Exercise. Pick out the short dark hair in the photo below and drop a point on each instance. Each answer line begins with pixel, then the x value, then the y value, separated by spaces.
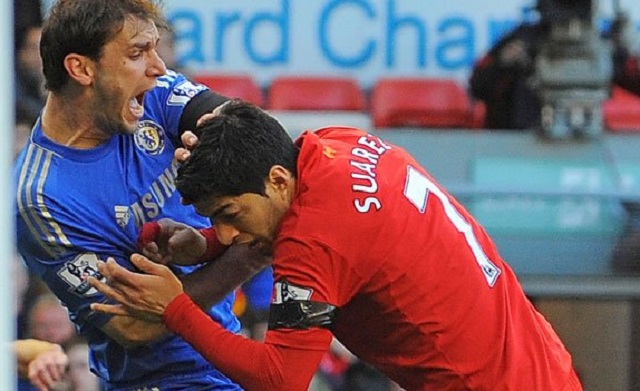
pixel 235 153
pixel 85 27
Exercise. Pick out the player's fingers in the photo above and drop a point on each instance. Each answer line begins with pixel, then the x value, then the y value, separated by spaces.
pixel 170 227
pixel 205 118
pixel 188 138
pixel 152 252
pixel 152 248
pixel 113 309
pixel 156 257
pixel 57 372
pixel 106 290
pixel 147 266
pixel 116 275
pixel 57 364
pixel 40 378
pixel 54 372
pixel 181 155
pixel 180 240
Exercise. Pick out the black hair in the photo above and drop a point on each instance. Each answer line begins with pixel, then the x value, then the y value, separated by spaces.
pixel 85 27
pixel 235 153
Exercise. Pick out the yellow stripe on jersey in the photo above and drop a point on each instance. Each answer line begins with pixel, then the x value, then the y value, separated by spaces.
pixel 35 213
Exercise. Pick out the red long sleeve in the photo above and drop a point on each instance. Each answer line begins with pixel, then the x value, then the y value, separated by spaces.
pixel 214 247
pixel 151 231
pixel 254 365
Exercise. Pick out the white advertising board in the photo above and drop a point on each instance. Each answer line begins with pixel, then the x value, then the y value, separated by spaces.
pixel 365 39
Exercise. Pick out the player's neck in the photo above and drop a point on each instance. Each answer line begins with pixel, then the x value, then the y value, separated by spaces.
pixel 69 122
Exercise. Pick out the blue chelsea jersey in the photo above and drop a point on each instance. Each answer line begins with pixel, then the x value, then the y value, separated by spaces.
pixel 75 207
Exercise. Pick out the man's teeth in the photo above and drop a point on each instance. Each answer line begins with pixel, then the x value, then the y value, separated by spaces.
pixel 136 108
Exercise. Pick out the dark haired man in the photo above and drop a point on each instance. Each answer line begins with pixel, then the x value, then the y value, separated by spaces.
pixel 98 166
pixel 504 78
pixel 367 247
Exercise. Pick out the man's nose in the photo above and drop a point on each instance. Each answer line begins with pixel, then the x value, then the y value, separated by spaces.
pixel 156 67
pixel 226 233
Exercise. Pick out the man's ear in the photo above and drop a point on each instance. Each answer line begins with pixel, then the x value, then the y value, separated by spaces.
pixel 280 184
pixel 80 68
pixel 279 177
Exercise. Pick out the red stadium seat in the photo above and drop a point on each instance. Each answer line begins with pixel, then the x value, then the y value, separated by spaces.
pixel 621 112
pixel 420 102
pixel 309 93
pixel 233 86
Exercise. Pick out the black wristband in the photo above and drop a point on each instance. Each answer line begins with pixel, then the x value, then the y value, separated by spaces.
pixel 201 104
pixel 301 314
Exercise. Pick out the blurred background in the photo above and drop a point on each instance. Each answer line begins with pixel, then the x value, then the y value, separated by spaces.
pixel 528 111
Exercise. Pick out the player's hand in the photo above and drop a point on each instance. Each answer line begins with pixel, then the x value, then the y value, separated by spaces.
pixel 190 140
pixel 168 242
pixel 48 369
pixel 143 295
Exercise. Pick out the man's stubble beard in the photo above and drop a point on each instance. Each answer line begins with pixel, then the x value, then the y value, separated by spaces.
pixel 108 117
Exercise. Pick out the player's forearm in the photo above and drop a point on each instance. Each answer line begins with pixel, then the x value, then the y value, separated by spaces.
pixel 26 350
pixel 254 365
pixel 212 282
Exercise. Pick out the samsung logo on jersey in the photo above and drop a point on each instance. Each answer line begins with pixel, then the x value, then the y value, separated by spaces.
pixel 149 206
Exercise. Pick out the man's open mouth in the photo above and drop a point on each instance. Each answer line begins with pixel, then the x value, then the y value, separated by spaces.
pixel 135 105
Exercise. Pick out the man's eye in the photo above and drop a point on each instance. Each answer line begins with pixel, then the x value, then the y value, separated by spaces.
pixel 226 218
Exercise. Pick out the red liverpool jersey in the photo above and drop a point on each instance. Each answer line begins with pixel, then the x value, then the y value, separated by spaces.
pixel 421 291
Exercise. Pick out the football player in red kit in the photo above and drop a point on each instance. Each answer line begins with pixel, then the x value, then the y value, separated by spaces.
pixel 367 247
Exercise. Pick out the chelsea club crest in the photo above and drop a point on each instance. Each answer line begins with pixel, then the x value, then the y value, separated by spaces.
pixel 150 137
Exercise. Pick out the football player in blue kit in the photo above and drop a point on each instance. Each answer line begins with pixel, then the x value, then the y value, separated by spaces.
pixel 98 166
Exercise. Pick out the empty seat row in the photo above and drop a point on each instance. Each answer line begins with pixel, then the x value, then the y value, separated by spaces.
pixel 291 93
pixel 393 101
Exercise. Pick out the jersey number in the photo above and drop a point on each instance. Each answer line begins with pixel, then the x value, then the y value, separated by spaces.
pixel 417 189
